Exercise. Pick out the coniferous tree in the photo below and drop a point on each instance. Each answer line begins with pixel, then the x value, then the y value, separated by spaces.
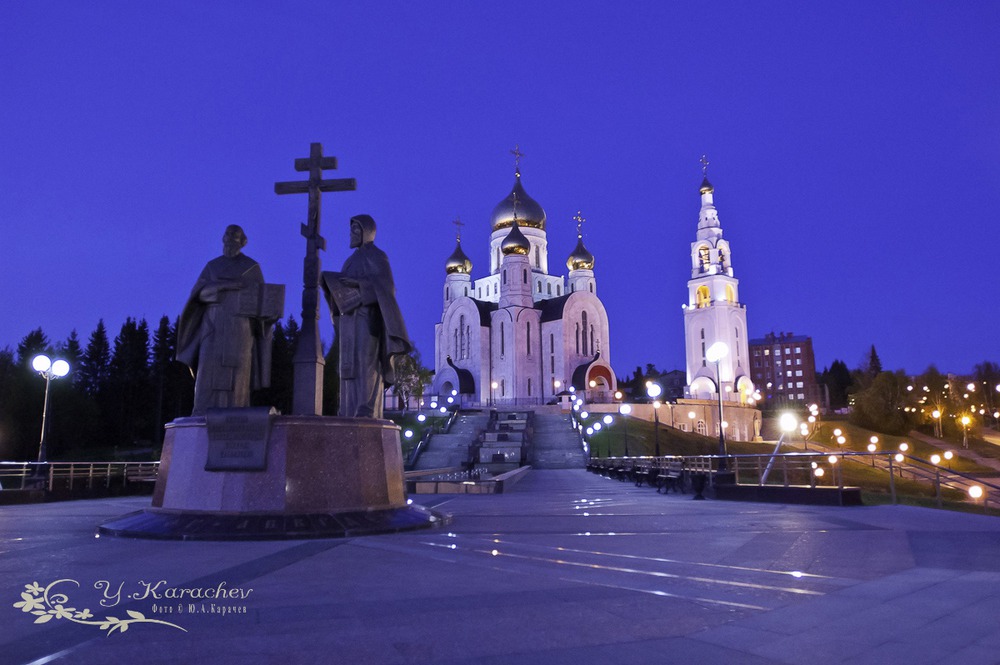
pixel 95 365
pixel 31 345
pixel 837 379
pixel 130 381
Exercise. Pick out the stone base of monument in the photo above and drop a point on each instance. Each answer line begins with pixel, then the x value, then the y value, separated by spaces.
pixel 313 477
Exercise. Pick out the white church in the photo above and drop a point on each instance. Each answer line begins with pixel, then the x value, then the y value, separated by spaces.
pixel 520 335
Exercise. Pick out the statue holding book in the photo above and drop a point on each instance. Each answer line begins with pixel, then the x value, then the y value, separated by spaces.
pixel 369 326
pixel 224 334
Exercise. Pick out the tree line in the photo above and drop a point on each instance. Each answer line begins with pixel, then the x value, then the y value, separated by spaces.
pixel 121 391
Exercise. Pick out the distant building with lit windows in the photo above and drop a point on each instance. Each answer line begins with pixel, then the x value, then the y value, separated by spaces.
pixel 783 368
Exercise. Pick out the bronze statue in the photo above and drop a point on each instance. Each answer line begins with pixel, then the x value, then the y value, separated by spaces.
pixel 224 334
pixel 369 326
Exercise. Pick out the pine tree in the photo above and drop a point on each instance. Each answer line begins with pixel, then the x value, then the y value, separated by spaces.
pixel 31 345
pixel 95 365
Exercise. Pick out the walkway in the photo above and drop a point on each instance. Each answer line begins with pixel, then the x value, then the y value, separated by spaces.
pixel 567 568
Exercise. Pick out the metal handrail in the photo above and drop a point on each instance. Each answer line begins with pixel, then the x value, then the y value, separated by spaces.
pixel 45 475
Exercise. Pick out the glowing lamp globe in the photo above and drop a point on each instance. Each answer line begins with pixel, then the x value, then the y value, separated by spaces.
pixel 41 363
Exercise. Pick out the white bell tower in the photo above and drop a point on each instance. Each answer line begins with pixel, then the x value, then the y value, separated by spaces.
pixel 714 313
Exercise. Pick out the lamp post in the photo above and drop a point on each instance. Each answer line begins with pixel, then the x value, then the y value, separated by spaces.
pixel 654 391
pixel 48 370
pixel 936 415
pixel 493 392
pixel 965 431
pixel 715 354
pixel 625 409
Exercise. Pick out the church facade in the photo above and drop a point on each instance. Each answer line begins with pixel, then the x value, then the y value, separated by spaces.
pixel 520 335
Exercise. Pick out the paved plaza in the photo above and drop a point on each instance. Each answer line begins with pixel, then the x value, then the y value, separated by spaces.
pixel 566 567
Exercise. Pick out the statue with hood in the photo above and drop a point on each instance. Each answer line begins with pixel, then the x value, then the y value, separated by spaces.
pixel 368 323
pixel 223 335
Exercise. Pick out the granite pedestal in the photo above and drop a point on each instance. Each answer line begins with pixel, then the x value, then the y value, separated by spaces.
pixel 324 477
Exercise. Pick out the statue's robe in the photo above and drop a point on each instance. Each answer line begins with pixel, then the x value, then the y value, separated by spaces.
pixel 228 351
pixel 369 336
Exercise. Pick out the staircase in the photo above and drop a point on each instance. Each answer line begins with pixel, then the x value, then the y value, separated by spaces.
pixel 452 449
pixel 556 445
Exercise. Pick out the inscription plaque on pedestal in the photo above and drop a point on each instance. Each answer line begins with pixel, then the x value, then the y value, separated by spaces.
pixel 237 439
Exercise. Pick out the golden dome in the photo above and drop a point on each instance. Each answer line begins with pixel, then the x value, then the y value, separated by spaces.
pixel 458 261
pixel 706 186
pixel 515 242
pixel 580 259
pixel 529 212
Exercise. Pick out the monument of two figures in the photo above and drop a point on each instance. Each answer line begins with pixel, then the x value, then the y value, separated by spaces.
pixel 235 472
pixel 225 332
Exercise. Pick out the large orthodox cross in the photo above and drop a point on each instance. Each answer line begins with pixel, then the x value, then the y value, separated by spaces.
pixel 704 166
pixel 458 228
pixel 307 392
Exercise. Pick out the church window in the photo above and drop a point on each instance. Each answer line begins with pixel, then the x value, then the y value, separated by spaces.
pixel 704 359
pixel 503 387
pixel 591 287
pixel 552 362
pixel 730 293
pixel 703 298
pixel 527 338
pixel 466 290
pixel 498 257
pixel 539 287
pixel 578 339
pixel 524 276
pixel 501 340
pixel 549 289
pixel 504 276
pixel 538 260
pixel 454 348
pixel 495 288
pixel 703 258
pixel 558 290
pixel 703 333
pixel 529 387
pixel 593 348
pixel 583 317
pixel 479 292
pixel 462 351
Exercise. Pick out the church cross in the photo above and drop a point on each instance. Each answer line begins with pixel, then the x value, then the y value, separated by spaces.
pixel 579 219
pixel 704 165
pixel 307 387
pixel 458 228
pixel 517 158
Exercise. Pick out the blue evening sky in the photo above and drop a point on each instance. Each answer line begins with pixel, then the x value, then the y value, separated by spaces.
pixel 854 148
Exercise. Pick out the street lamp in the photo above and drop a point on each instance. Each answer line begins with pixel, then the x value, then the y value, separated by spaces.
pixel 48 370
pixel 965 431
pixel 654 390
pixel 936 415
pixel 493 392
pixel 715 354
pixel 625 409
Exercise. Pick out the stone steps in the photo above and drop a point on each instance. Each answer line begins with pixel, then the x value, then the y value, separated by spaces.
pixel 555 444
pixel 452 449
